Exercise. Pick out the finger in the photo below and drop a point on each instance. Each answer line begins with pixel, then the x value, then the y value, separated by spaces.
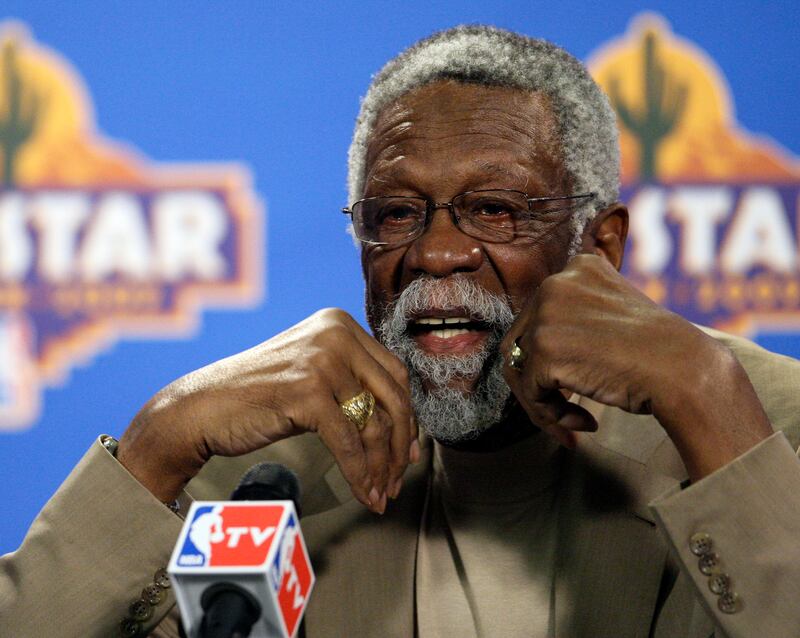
pixel 549 409
pixel 398 371
pixel 395 400
pixel 577 419
pixel 343 440
pixel 383 466
pixel 552 408
pixel 400 433
pixel 375 437
pixel 395 417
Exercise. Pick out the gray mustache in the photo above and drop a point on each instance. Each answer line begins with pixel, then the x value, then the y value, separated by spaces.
pixel 454 293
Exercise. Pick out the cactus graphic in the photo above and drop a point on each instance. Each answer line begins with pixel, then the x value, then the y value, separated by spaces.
pixel 664 102
pixel 20 113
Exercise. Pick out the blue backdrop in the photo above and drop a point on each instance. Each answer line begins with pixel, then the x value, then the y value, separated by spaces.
pixel 276 86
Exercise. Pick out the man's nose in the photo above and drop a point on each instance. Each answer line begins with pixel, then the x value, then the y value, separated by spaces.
pixel 443 249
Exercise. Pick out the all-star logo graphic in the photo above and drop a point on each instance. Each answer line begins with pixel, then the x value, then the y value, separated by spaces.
pixel 97 242
pixel 713 207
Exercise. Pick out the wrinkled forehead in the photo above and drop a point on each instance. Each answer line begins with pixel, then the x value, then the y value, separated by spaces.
pixel 455 118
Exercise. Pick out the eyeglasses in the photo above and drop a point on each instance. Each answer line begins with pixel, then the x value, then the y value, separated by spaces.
pixel 497 215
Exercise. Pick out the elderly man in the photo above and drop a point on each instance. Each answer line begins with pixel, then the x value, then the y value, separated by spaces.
pixel 483 181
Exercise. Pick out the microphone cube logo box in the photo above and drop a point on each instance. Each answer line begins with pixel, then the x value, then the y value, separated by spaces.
pixel 254 544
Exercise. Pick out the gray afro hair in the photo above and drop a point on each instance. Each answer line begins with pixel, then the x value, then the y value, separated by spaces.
pixel 495 57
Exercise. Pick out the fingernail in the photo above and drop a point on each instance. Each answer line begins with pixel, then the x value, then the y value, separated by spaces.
pixel 413 451
pixel 397 485
pixel 390 488
pixel 383 502
pixel 374 497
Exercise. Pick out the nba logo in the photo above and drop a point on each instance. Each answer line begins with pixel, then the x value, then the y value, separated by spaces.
pixel 230 535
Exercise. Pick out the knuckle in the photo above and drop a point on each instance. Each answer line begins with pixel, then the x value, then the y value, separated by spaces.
pixel 314 384
pixel 321 358
pixel 376 428
pixel 545 336
pixel 583 259
pixel 385 425
pixel 375 433
pixel 585 265
pixel 548 287
pixel 332 314
pixel 381 470
pixel 537 340
pixel 401 374
pixel 370 435
pixel 358 474
pixel 333 322
pixel 397 397
pixel 402 397
pixel 350 447
pixel 548 310
pixel 331 337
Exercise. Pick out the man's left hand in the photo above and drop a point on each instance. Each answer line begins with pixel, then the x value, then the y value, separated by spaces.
pixel 587 330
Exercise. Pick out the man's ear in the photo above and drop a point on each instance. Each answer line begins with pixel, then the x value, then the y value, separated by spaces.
pixel 605 235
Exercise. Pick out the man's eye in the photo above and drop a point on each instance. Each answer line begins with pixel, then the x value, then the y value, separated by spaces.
pixel 493 209
pixel 397 214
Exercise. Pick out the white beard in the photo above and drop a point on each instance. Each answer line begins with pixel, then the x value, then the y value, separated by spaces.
pixel 447 414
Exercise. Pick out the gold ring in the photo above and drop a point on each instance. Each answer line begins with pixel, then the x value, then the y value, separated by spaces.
pixel 359 409
pixel 516 358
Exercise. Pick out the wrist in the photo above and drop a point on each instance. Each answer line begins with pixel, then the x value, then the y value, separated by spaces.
pixel 156 453
pixel 710 410
pixel 159 478
pixel 111 444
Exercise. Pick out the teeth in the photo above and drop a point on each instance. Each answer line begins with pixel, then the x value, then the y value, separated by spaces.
pixel 436 321
pixel 446 333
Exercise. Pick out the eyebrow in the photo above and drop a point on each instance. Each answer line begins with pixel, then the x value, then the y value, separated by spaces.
pixel 493 169
pixel 474 173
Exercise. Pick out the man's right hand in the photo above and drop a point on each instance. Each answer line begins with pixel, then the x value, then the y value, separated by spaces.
pixel 288 385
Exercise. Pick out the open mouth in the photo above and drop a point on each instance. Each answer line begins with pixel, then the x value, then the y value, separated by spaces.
pixel 439 334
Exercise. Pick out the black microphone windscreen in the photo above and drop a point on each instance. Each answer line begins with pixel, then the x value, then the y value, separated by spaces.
pixel 268 482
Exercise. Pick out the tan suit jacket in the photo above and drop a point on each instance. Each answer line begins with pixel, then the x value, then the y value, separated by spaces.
pixel 624 569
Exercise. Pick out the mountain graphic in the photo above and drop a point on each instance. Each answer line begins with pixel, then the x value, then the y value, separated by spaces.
pixel 676 115
pixel 48 136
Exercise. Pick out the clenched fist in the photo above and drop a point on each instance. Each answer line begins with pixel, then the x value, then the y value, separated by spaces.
pixel 589 331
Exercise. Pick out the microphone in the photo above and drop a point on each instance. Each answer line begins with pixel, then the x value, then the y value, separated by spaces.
pixel 269 482
pixel 240 567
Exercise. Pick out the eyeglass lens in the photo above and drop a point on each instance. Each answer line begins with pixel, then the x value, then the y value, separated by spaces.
pixel 492 215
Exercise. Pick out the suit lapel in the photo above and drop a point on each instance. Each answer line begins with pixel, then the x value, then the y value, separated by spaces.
pixel 365 564
pixel 611 556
